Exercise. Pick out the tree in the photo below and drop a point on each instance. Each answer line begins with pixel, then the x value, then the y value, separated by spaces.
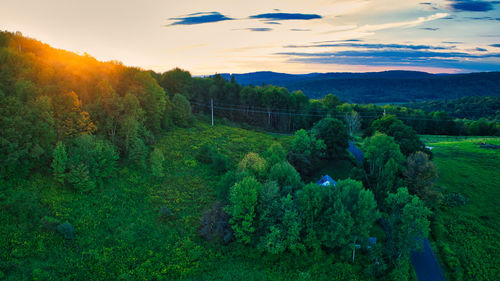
pixel 311 201
pixel 421 174
pixel 383 162
pixel 214 224
pixel 253 164
pixel 181 111
pixel 334 133
pixel 243 200
pixel 353 122
pixel 405 136
pixel 305 152
pixel 59 162
pixel 408 223
pixel 361 206
pixel 156 160
pixel 286 176
pixel 275 154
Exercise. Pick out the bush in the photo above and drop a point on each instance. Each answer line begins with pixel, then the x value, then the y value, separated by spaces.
pixel 67 230
pixel 214 225
pixel 204 154
pixel 455 199
pixel 165 213
pixel 220 163
pixel 50 223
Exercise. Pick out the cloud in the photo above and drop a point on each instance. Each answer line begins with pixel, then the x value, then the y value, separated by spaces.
pixel 483 18
pixel 256 29
pixel 471 5
pixel 286 16
pixel 495 45
pixel 420 20
pixel 272 22
pixel 199 18
pixel 430 28
pixel 299 29
pixel 426 3
pixel 374 46
pixel 399 58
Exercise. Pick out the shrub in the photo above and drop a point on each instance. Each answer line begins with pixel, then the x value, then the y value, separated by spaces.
pixel 50 223
pixel 204 154
pixel 67 230
pixel 220 163
pixel 165 213
pixel 214 225
pixel 455 199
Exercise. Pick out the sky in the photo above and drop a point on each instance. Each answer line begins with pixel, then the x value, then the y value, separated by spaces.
pixel 222 36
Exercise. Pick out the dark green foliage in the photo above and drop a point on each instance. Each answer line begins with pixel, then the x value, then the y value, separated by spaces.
pixel 285 175
pixel 78 176
pixel 220 163
pixel 204 154
pixel 165 213
pixel 156 160
pixel 214 225
pixel 405 136
pixel 181 113
pixel 421 175
pixel 408 223
pixel 66 230
pixel 306 152
pixel 59 162
pixel 383 164
pixel 473 107
pixel 455 199
pixel 50 223
pixel 334 134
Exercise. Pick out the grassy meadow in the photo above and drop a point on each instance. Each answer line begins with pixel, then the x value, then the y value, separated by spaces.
pixel 467 236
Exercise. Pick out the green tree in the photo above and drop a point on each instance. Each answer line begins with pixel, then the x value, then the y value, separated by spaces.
pixel 409 225
pixel 405 136
pixel 275 154
pixel 59 162
pixel 334 133
pixel 156 160
pixel 421 174
pixel 78 176
pixel 182 110
pixel 254 164
pixel 360 204
pixel 311 202
pixel 305 152
pixel 243 200
pixel 286 176
pixel 384 163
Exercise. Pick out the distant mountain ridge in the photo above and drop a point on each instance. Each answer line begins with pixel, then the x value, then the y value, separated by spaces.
pixel 379 87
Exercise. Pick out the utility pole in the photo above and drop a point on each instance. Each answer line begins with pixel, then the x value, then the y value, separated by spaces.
pixel 212 106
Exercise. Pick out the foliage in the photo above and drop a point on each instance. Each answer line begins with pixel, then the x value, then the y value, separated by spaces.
pixel 182 110
pixel 254 164
pixel 156 160
pixel 420 175
pixel 66 230
pixel 305 152
pixel 334 133
pixel 243 200
pixel 408 223
pixel 404 135
pixel 454 199
pixel 383 164
pixel 285 175
pixel 59 162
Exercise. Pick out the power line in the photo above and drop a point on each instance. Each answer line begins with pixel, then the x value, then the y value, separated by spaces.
pixel 276 112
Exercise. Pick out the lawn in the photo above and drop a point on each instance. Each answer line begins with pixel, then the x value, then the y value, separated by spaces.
pixel 468 236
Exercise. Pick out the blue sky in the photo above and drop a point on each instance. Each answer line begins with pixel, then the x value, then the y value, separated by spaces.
pixel 290 36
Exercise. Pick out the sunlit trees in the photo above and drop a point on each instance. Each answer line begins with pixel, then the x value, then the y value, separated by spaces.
pixel 253 164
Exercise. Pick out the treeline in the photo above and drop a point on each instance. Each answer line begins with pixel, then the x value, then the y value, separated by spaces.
pixel 277 109
pixel 467 107
pixel 92 109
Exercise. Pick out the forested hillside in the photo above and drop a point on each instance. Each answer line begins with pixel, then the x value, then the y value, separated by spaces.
pixel 381 87
pixel 466 107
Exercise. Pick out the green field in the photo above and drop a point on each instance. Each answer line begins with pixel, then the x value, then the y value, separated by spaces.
pixel 468 236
